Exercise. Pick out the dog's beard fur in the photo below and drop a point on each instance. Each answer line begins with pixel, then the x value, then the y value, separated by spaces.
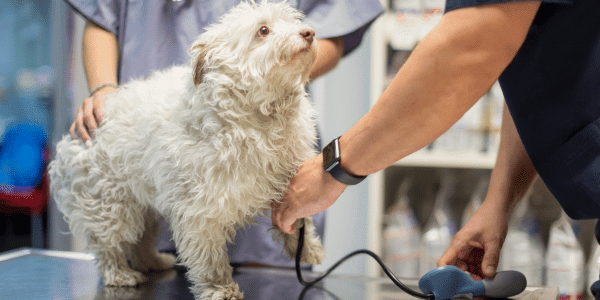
pixel 206 147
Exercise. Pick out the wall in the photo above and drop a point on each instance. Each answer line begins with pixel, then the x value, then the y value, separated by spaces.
pixel 342 98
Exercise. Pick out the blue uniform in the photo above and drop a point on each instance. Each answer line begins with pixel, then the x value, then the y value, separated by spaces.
pixel 156 34
pixel 552 90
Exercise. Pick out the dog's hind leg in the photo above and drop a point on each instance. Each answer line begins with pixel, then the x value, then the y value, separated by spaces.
pixel 202 249
pixel 111 225
pixel 112 263
pixel 143 254
pixel 312 252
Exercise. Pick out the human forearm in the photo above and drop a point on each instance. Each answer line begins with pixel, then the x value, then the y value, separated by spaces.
pixel 100 60
pixel 100 55
pixel 476 247
pixel 446 74
pixel 514 173
pixel 329 53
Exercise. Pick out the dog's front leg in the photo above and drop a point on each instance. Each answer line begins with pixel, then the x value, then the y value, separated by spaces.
pixel 312 252
pixel 201 244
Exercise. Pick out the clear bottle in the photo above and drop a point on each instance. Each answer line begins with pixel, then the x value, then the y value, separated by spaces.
pixel 593 267
pixel 565 260
pixel 523 248
pixel 401 236
pixel 440 228
pixel 496 107
pixel 476 200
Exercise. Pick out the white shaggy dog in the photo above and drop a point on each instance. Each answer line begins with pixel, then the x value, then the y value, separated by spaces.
pixel 206 146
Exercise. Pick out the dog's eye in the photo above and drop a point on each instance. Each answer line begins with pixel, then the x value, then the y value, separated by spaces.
pixel 263 31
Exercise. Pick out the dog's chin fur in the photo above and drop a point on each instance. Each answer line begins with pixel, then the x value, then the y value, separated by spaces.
pixel 206 147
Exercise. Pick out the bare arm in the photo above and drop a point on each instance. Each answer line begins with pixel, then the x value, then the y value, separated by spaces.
pixel 329 53
pixel 100 60
pixel 452 67
pixel 476 247
pixel 514 173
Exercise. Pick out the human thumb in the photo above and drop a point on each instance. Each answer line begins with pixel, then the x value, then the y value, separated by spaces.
pixel 490 260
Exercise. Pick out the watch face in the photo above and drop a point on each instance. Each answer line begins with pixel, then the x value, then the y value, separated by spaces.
pixel 331 155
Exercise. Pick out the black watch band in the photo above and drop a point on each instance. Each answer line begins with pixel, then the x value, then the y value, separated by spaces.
pixel 332 164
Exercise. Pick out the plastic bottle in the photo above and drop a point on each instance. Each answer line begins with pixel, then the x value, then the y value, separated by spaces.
pixel 401 236
pixel 593 267
pixel 523 248
pixel 404 35
pixel 467 134
pixel 476 200
pixel 565 260
pixel 496 107
pixel 413 7
pixel 440 228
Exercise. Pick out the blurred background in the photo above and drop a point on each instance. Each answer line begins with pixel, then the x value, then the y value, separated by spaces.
pixel 28 91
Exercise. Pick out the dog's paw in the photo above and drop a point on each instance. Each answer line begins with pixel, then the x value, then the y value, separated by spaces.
pixel 123 277
pixel 222 292
pixel 227 295
pixel 155 262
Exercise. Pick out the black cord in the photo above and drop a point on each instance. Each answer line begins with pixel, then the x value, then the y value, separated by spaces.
pixel 387 271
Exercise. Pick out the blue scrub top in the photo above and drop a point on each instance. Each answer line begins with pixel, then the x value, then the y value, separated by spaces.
pixel 156 34
pixel 552 90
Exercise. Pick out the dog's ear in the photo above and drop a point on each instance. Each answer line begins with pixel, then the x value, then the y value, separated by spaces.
pixel 199 53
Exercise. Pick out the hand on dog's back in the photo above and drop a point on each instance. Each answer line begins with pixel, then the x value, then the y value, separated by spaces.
pixel 90 116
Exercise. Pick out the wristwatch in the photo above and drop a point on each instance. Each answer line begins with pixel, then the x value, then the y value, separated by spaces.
pixel 332 164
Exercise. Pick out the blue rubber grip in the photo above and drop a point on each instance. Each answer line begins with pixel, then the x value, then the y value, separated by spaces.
pixel 449 281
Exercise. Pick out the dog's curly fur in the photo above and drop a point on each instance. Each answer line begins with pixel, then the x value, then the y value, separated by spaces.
pixel 206 146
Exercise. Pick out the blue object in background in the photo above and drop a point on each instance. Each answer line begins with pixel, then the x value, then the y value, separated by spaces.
pixel 21 158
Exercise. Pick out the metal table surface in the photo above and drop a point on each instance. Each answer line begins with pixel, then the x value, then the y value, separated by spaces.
pixel 44 274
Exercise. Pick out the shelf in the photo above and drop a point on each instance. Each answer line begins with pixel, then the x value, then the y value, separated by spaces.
pixel 404 32
pixel 442 159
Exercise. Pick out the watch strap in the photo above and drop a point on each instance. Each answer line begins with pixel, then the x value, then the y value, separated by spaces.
pixel 340 175
pixel 332 164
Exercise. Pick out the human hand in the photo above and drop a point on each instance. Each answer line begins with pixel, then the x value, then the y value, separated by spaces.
pixel 90 115
pixel 311 190
pixel 476 247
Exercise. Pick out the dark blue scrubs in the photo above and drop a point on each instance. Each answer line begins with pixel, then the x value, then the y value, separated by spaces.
pixel 552 90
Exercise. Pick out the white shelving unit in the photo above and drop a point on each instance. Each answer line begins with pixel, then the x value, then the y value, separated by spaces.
pixel 389 33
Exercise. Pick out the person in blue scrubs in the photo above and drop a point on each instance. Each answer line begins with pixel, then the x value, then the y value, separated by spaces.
pixel 546 55
pixel 124 40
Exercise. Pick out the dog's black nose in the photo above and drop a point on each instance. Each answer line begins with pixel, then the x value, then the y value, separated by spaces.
pixel 308 34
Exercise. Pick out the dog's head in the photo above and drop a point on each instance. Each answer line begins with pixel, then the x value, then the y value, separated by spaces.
pixel 256 43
